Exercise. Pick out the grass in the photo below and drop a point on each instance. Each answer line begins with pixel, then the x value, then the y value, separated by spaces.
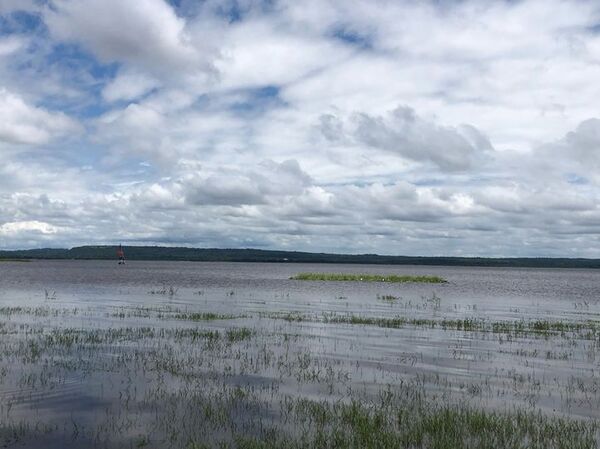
pixel 207 384
pixel 367 278
pixel 201 410
pixel 204 316
pixel 235 335
pixel 164 290
pixel 587 330
pixel 286 316
pixel 415 425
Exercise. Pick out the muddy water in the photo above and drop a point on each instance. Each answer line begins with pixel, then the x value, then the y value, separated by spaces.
pixel 92 353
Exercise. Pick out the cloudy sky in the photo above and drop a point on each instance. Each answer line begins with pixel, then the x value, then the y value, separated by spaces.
pixel 441 128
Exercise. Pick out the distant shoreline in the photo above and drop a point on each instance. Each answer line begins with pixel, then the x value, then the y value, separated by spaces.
pixel 159 253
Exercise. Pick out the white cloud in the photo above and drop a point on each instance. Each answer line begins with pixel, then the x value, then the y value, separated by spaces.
pixel 404 133
pixel 19 227
pixel 22 123
pixel 129 86
pixel 235 187
pixel 11 44
pixel 258 53
pixel 583 144
pixel 481 62
pixel 145 33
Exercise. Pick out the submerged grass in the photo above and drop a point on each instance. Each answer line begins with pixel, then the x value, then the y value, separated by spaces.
pixel 205 316
pixel 243 333
pixel 588 330
pixel 207 385
pixel 367 277
pixel 201 386
pixel 408 425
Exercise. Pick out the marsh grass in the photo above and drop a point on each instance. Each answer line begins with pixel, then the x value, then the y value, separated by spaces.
pixel 416 425
pixel 588 330
pixel 287 316
pixel 164 290
pixel 37 311
pixel 289 383
pixel 205 412
pixel 205 316
pixel 49 295
pixel 235 335
pixel 367 278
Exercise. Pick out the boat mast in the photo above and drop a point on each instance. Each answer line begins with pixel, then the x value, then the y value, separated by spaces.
pixel 121 255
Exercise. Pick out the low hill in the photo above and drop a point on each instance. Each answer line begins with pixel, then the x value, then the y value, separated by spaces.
pixel 258 255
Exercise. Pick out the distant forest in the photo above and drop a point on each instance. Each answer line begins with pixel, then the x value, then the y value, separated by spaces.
pixel 258 255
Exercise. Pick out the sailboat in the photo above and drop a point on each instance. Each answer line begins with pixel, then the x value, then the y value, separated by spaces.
pixel 121 255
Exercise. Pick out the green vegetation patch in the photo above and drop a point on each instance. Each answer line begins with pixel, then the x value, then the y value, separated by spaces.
pixel 359 425
pixel 588 330
pixel 234 335
pixel 367 278
pixel 205 316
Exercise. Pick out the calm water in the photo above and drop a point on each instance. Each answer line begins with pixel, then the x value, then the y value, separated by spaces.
pixel 494 291
pixel 132 375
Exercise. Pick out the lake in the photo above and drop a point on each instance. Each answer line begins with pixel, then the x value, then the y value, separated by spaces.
pixel 192 354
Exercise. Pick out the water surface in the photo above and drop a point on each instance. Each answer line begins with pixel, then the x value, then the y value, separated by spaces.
pixel 96 353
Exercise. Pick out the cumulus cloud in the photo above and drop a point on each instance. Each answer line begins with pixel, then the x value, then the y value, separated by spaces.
pixel 404 133
pixel 573 159
pixel 145 33
pixel 260 185
pixel 583 144
pixel 18 227
pixel 22 123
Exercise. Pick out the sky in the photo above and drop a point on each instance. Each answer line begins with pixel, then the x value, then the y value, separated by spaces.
pixel 459 128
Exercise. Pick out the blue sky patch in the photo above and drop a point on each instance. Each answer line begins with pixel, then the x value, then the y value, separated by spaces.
pixel 353 37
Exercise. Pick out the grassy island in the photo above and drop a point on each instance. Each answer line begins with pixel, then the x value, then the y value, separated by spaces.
pixel 367 277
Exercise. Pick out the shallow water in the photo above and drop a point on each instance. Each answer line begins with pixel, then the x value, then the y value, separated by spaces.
pixel 92 353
